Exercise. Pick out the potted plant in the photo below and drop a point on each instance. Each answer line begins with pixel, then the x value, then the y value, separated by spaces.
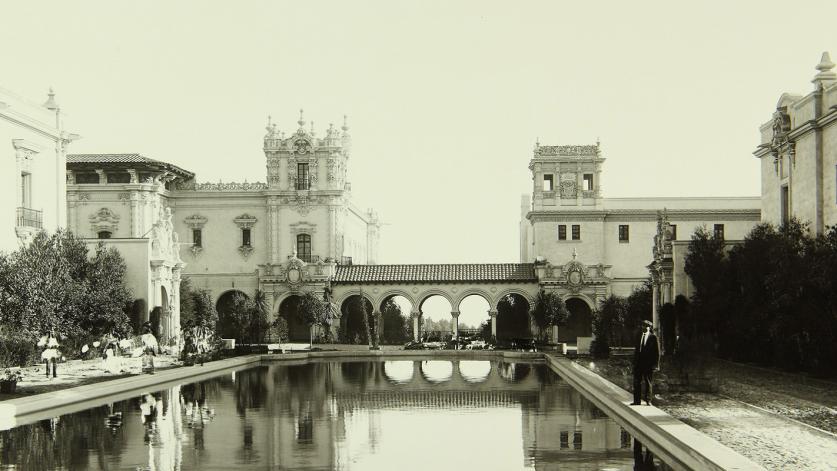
pixel 8 382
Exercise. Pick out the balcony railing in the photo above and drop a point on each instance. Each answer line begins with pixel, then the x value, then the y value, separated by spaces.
pixel 30 218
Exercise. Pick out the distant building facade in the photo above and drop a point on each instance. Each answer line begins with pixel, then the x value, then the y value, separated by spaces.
pixel 798 153
pixel 33 145
pixel 283 237
pixel 587 247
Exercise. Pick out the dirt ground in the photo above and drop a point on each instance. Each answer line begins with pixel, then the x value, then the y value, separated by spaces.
pixel 756 412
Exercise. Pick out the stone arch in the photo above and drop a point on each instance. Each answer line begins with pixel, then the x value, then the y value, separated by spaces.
pixel 580 321
pixel 395 330
pixel 223 305
pixel 520 292
pixel 392 293
pixel 424 295
pixel 354 292
pixel 352 326
pixel 514 323
pixel 298 331
pixel 473 291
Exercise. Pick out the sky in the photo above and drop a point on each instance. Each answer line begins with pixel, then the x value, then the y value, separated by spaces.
pixel 445 100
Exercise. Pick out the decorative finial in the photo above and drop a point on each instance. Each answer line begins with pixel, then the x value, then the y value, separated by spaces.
pixel 575 254
pixel 301 121
pixel 50 103
pixel 345 127
pixel 598 141
pixel 269 126
pixel 825 74
pixel 312 128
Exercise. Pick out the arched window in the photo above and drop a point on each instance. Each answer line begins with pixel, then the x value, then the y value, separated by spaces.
pixel 104 235
pixel 303 247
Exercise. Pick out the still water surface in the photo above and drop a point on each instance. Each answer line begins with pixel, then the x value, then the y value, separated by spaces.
pixel 404 415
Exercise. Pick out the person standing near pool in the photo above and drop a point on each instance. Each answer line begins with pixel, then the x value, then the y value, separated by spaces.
pixel 646 361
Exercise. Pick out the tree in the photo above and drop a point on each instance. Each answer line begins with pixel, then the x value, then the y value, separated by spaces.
pixel 549 311
pixel 395 324
pixel 312 309
pixel 52 286
pixel 608 324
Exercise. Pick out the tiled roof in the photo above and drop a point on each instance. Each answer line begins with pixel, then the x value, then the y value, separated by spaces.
pixel 109 158
pixel 448 273
pixel 125 159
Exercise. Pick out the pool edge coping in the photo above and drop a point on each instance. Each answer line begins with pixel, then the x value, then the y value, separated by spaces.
pixel 678 444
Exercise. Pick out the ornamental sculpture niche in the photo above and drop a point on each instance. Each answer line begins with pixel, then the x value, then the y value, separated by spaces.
pixel 104 220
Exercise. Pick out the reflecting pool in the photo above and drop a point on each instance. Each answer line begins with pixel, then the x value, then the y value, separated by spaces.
pixel 402 414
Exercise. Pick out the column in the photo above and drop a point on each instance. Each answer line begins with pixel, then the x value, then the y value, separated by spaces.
pixel 455 324
pixel 273 229
pixel 493 315
pixel 655 299
pixel 135 216
pixel 416 327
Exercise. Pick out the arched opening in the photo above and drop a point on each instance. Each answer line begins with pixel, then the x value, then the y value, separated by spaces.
pixel 226 305
pixel 104 234
pixel 513 318
pixel 396 328
pixel 436 371
pixel 474 371
pixel 436 322
pixel 399 372
pixel 298 330
pixel 473 317
pixel 579 322
pixel 352 324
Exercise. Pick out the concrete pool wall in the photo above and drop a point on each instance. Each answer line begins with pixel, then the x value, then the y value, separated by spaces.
pixel 680 446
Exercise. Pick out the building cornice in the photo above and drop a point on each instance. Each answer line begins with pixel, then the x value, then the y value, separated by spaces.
pixel 645 215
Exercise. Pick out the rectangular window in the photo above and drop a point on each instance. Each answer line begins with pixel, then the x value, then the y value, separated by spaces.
pixel 564 440
pixel 719 231
pixel 547 183
pixel 562 232
pixel 197 238
pixel 624 233
pixel 673 228
pixel 302 180
pixel 26 190
pixel 245 237
pixel 588 182
pixel 576 232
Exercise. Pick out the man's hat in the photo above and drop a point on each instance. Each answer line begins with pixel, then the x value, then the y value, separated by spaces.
pixel 647 322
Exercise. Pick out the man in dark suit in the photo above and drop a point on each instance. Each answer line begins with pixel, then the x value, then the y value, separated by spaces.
pixel 646 360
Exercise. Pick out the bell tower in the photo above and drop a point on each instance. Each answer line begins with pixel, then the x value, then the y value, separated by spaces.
pixel 307 190
pixel 566 177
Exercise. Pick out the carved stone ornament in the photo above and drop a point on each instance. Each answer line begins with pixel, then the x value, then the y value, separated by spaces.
pixel 104 220
pixel 245 221
pixel 781 127
pixel 302 146
pixel 245 250
pixel 221 186
pixel 295 272
pixel 575 274
pixel 568 189
pixel 195 221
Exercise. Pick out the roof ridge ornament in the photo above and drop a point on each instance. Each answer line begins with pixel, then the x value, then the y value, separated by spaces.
pixel 825 74
pixel 301 121
pixel 50 103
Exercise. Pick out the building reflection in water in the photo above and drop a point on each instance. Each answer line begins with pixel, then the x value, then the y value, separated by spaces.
pixel 341 415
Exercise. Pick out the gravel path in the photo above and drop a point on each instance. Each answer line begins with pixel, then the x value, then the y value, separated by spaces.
pixel 765 436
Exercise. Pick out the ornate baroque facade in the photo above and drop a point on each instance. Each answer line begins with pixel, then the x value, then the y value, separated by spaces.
pixel 283 237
